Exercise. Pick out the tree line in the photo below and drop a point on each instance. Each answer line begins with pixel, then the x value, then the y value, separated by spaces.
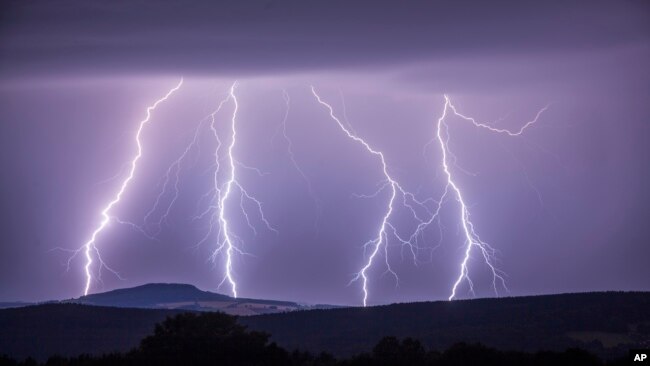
pixel 218 339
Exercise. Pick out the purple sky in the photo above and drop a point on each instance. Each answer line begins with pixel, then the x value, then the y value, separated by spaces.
pixel 565 204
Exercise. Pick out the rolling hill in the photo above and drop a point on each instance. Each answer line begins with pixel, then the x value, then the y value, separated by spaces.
pixel 183 297
pixel 605 323
pixel 44 330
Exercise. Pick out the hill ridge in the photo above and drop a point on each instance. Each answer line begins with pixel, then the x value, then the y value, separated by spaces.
pixel 184 297
pixel 604 323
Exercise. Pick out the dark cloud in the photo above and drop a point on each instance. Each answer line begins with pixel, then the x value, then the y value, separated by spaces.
pixel 226 37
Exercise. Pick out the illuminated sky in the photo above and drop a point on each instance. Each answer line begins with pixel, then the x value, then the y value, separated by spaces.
pixel 565 204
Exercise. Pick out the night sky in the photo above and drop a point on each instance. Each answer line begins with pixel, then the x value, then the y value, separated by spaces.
pixel 566 204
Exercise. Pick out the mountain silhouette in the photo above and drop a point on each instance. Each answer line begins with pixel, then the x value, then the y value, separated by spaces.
pixel 183 297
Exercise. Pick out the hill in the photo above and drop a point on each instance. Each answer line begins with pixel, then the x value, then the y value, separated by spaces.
pixel 607 324
pixel 13 304
pixel 183 297
pixel 44 330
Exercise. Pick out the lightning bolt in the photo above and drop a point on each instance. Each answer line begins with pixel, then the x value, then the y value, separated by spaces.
pixel 380 242
pixel 292 157
pixel 90 246
pixel 228 242
pixel 172 173
pixel 471 238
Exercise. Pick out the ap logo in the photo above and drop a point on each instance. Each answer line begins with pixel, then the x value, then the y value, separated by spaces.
pixel 639 356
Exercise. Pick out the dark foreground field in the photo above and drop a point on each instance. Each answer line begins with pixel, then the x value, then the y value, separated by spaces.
pixel 202 339
pixel 604 324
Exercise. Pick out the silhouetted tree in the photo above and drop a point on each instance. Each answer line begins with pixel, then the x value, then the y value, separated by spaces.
pixel 217 339
pixel 7 361
pixel 390 352
pixel 208 339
